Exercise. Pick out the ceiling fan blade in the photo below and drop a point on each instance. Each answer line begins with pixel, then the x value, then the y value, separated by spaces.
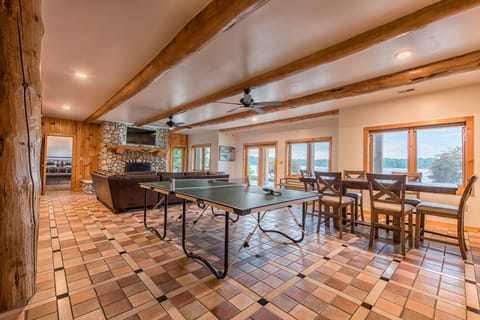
pixel 226 102
pixel 267 103
pixel 235 108
pixel 177 124
pixel 256 109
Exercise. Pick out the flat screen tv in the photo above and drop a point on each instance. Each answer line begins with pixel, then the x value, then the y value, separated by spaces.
pixel 140 136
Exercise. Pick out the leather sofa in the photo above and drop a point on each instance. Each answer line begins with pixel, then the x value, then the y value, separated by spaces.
pixel 122 192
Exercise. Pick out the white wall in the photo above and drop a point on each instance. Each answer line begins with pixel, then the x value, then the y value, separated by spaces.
pixel 308 129
pixel 440 105
pixel 60 147
pixel 228 140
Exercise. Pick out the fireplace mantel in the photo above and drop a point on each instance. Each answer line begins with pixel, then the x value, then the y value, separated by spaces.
pixel 120 149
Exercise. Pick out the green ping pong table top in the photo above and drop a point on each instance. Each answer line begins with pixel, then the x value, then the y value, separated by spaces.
pixel 236 198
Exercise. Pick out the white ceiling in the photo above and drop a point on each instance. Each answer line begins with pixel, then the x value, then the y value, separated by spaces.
pixel 112 40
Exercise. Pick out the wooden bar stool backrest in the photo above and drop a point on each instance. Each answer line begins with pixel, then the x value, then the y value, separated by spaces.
pixel 412 177
pixel 306 173
pixel 387 188
pixel 329 183
pixel 354 174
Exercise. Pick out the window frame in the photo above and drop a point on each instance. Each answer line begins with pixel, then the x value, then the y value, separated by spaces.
pixel 308 141
pixel 203 162
pixel 411 127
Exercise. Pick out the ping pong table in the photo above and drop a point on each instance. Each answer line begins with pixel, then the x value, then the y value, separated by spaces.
pixel 231 197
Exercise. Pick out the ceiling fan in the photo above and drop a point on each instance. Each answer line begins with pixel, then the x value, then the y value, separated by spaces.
pixel 247 102
pixel 179 125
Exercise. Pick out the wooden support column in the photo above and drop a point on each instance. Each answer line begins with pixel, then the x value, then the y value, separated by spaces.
pixel 20 106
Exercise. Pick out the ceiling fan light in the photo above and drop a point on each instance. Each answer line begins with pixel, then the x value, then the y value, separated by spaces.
pixel 403 54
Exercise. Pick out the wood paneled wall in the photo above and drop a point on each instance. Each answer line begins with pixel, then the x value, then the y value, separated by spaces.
pixel 85 145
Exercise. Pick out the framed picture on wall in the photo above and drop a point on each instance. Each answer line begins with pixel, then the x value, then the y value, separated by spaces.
pixel 227 153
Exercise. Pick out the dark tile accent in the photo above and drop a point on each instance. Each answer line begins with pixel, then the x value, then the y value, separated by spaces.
pixel 55 251
pixel 262 301
pixel 138 270
pixel 470 281
pixel 63 295
pixel 470 263
pixel 326 258
pixel 111 239
pixel 367 305
pixel 301 275
pixel 123 252
pixel 397 260
pixel 472 309
pixel 162 298
pixel 384 278
pixel 54 237
pixel 258 256
pixel 58 269
pixel 345 245
pixel 102 228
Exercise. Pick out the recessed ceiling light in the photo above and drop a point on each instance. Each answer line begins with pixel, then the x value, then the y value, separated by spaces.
pixel 81 75
pixel 66 107
pixel 254 119
pixel 403 54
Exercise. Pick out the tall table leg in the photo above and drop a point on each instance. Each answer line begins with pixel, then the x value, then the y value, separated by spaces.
pixel 218 273
pixel 152 229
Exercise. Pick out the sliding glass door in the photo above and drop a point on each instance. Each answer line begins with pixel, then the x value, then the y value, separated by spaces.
pixel 260 164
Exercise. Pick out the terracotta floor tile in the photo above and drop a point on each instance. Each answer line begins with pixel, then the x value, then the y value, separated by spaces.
pixel 224 311
pixel 428 283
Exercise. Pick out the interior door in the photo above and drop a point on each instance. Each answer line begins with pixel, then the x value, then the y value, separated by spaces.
pixel 260 164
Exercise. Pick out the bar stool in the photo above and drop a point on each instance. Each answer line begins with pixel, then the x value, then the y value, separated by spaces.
pixel 356 194
pixel 387 197
pixel 445 211
pixel 309 186
pixel 329 185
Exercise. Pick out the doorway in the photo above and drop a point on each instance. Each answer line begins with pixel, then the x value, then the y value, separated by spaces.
pixel 57 173
pixel 261 163
pixel 179 157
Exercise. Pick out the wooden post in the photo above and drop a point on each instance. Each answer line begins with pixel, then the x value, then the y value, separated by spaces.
pixel 20 106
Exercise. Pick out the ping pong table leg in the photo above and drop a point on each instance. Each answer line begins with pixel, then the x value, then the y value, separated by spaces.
pixel 302 225
pixel 165 207
pixel 219 274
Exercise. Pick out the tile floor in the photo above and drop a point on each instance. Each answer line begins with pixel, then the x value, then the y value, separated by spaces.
pixel 93 264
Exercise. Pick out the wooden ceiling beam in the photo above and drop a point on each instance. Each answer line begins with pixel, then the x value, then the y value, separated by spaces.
pixel 405 24
pixel 462 63
pixel 216 17
pixel 283 121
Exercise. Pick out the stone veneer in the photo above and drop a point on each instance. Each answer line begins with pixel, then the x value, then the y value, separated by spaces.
pixel 115 133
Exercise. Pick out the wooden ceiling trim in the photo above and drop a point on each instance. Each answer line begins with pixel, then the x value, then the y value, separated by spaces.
pixel 283 121
pixel 405 24
pixel 462 63
pixel 216 17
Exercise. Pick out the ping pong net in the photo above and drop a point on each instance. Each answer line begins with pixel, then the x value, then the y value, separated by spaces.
pixel 189 184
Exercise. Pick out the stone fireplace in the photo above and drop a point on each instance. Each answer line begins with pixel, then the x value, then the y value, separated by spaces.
pixel 114 152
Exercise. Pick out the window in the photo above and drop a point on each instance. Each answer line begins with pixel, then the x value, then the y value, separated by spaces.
pixel 441 150
pixel 178 159
pixel 201 157
pixel 311 154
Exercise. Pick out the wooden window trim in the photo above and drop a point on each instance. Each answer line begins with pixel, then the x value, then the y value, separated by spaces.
pixel 309 141
pixel 260 164
pixel 203 146
pixel 468 163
